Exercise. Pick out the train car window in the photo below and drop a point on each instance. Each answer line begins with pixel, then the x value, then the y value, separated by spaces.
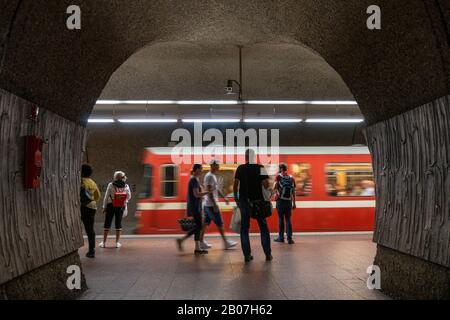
pixel 303 180
pixel 147 182
pixel 169 181
pixel 350 180
pixel 225 178
pixel 272 171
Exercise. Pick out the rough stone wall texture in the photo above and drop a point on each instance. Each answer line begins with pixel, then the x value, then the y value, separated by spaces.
pixel 46 282
pixel 411 160
pixel 388 71
pixel 406 277
pixel 40 225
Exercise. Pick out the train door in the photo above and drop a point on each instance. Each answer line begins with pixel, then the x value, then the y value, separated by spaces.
pixel 146 220
pixel 167 208
pixel 351 186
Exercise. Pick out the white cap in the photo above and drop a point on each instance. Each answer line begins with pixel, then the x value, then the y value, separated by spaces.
pixel 119 175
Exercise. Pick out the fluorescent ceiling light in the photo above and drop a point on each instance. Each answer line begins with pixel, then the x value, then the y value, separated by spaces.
pixel 93 120
pixel 147 120
pixel 335 120
pixel 134 102
pixel 115 102
pixel 275 102
pixel 333 102
pixel 108 102
pixel 207 102
pixel 273 120
pixel 212 120
pixel 148 102
pixel 302 102
pixel 227 102
pixel 161 102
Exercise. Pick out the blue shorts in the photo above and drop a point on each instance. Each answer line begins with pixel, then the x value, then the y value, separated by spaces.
pixel 211 215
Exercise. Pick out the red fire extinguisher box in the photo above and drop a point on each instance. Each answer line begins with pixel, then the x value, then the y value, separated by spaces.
pixel 33 161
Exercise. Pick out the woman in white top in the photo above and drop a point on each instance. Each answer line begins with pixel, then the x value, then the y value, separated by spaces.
pixel 114 205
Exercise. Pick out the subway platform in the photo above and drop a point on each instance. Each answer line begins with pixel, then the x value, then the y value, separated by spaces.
pixel 331 267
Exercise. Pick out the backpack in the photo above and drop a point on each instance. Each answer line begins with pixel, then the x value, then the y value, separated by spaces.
pixel 85 197
pixel 119 198
pixel 286 187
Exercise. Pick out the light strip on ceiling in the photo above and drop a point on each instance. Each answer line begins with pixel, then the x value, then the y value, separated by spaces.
pixel 332 102
pixel 147 120
pixel 255 120
pixel 273 120
pixel 118 102
pixel 227 102
pixel 334 120
pixel 93 120
pixel 109 102
pixel 149 102
pixel 211 120
pixel 206 102
pixel 275 102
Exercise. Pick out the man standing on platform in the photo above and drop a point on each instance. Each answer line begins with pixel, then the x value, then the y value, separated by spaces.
pixel 249 180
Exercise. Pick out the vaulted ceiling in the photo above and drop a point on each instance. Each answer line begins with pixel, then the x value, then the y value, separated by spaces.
pixel 388 71
pixel 190 70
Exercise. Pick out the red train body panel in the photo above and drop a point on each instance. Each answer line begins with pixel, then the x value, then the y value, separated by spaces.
pixel 333 177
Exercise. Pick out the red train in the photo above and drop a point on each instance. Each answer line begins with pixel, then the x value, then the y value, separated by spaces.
pixel 335 190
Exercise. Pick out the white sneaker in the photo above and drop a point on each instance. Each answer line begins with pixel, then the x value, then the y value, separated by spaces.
pixel 118 245
pixel 204 245
pixel 102 245
pixel 230 244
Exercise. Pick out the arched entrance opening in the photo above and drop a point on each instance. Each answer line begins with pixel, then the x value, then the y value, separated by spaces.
pixel 170 83
pixel 398 71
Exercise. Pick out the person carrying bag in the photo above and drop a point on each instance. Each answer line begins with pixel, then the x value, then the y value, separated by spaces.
pixel 249 181
pixel 194 222
pixel 262 207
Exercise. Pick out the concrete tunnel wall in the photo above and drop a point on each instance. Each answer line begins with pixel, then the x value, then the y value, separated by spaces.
pixel 390 71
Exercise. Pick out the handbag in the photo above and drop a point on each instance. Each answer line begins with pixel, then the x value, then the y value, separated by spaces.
pixel 187 224
pixel 261 208
pixel 235 224
pixel 85 197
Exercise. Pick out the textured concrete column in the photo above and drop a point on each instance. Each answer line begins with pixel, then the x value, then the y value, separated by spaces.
pixel 40 229
pixel 411 158
pixel 47 282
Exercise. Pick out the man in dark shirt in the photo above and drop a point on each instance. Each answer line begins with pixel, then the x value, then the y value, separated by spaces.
pixel 249 180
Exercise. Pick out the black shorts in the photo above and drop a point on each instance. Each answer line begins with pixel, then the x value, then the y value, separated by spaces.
pixel 115 213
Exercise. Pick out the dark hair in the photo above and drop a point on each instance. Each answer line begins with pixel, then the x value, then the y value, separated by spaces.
pixel 86 171
pixel 195 167
pixel 283 167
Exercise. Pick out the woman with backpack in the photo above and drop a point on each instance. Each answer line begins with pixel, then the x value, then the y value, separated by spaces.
pixel 89 195
pixel 114 205
pixel 285 198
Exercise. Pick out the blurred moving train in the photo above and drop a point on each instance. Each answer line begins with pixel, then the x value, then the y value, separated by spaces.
pixel 334 190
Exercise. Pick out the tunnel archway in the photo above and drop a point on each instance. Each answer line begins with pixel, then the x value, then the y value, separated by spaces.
pixel 398 71
pixel 197 71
